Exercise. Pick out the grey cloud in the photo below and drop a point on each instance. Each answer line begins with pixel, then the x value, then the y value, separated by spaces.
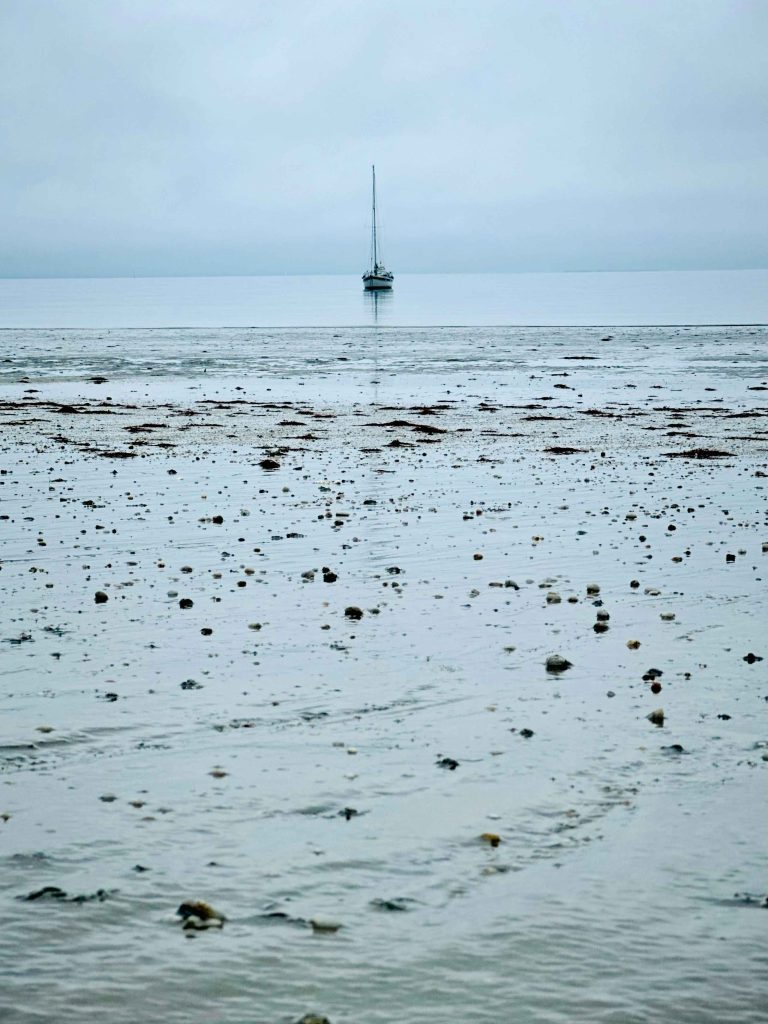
pixel 236 137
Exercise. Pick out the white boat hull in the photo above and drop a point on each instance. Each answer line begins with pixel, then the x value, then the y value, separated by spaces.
pixel 373 282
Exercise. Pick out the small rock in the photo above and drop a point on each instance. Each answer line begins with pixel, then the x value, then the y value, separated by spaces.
pixel 53 892
pixel 556 663
pixel 656 717
pixel 48 892
pixel 199 915
pixel 526 733
pixel 269 464
pixel 326 927
pixel 352 612
pixel 449 763
pixel 397 904
pixel 100 597
pixel 491 838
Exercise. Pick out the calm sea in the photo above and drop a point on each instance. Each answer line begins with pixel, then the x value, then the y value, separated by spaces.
pixel 641 298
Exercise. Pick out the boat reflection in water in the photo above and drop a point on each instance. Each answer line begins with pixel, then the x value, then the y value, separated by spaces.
pixel 378 305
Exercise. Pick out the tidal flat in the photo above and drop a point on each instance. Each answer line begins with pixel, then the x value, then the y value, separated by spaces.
pixel 277 609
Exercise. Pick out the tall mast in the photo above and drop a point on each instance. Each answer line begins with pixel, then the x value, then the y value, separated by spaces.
pixel 375 244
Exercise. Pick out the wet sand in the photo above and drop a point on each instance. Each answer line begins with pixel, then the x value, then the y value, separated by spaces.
pixel 331 567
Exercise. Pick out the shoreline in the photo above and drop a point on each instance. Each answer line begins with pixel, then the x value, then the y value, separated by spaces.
pixel 268 750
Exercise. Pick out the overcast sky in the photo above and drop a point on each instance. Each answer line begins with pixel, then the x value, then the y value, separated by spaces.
pixel 236 136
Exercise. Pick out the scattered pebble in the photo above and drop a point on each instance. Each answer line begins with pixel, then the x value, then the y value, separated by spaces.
pixel 557 663
pixel 198 915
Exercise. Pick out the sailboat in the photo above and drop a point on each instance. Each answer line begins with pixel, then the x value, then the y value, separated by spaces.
pixel 378 276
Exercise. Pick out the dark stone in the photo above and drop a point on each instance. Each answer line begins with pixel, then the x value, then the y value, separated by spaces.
pixel 556 663
pixel 186 602
pixel 449 763
pixel 394 905
pixel 100 597
pixel 48 892
pixel 352 612
pixel 53 892
pixel 202 911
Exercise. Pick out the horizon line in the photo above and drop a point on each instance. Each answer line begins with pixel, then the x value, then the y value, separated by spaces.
pixel 409 273
pixel 373 327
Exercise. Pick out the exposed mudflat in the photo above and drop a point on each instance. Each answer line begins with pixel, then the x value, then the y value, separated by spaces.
pixel 277 609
